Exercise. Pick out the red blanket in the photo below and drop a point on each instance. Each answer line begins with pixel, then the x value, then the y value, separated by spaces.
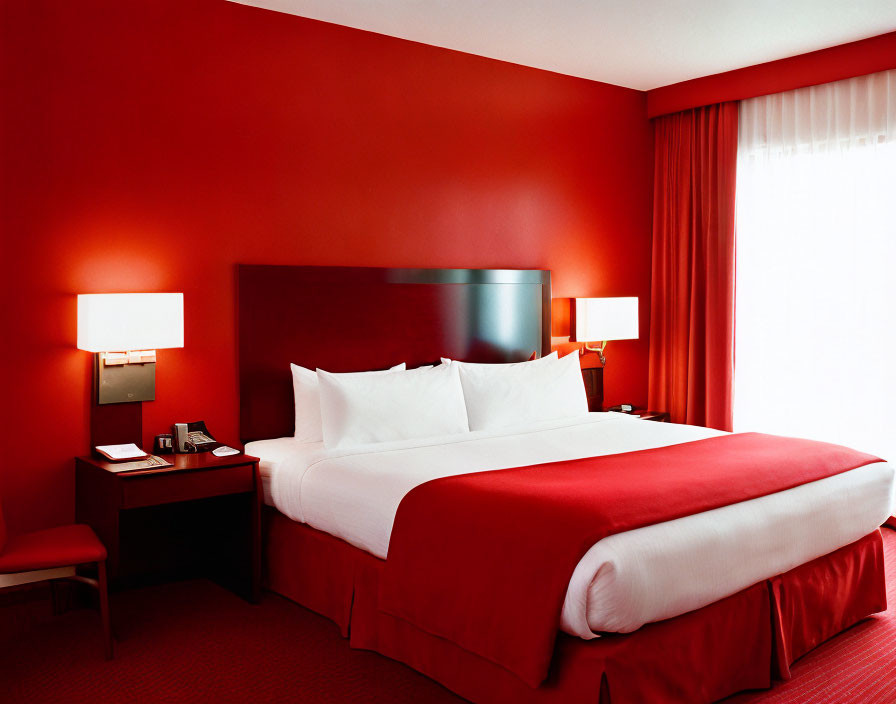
pixel 484 560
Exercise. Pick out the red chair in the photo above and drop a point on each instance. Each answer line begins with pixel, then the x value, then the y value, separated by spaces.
pixel 53 554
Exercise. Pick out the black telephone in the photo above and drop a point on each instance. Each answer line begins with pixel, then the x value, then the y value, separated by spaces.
pixel 193 437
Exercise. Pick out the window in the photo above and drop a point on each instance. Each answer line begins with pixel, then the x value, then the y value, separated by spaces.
pixel 815 330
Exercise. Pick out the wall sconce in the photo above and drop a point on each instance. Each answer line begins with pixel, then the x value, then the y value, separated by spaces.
pixel 604 319
pixel 125 330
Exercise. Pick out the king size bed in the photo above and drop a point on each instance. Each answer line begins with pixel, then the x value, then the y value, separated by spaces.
pixel 581 558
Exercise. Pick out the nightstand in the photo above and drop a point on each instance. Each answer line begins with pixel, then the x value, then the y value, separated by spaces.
pixel 202 516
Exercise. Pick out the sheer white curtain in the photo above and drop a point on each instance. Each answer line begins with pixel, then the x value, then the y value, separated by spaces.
pixel 815 310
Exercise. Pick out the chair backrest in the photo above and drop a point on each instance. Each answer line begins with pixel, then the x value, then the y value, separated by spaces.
pixel 2 529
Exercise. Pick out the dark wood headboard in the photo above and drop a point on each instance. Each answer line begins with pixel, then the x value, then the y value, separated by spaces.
pixel 358 318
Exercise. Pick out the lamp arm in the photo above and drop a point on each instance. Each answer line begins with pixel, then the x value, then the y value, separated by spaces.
pixel 600 351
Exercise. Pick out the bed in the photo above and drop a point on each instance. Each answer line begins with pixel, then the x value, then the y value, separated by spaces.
pixel 660 613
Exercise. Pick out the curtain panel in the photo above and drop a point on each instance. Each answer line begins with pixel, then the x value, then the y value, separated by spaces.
pixel 691 365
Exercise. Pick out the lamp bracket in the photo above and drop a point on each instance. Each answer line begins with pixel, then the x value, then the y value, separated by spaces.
pixel 111 359
pixel 600 351
pixel 124 381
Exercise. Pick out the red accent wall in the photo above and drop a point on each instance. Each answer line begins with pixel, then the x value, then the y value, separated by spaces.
pixel 150 145
pixel 823 66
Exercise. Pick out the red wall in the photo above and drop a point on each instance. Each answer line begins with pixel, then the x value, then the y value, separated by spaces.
pixel 150 146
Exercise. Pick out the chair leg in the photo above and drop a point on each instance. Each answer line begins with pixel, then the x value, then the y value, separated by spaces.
pixel 54 593
pixel 104 608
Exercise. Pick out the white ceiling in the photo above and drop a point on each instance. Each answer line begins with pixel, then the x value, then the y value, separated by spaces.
pixel 639 44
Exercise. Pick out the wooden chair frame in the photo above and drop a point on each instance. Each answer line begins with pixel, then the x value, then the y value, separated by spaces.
pixel 54 575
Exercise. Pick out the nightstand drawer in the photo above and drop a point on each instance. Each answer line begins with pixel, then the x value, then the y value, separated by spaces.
pixel 169 487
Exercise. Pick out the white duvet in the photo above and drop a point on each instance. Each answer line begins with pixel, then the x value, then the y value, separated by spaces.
pixel 625 580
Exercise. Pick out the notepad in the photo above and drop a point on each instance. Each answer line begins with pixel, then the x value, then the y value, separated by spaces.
pixel 117 453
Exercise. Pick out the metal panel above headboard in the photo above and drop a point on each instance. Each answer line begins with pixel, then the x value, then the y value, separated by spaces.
pixel 359 318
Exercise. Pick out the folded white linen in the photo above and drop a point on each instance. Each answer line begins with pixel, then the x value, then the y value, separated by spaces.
pixel 696 560
pixel 625 580
pixel 271 453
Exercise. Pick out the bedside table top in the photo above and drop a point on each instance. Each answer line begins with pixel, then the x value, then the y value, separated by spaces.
pixel 180 463
pixel 645 414
pixel 650 415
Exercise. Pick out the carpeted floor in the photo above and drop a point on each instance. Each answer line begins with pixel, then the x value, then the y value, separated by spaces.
pixel 195 642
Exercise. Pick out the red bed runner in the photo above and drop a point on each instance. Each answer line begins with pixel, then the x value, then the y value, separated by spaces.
pixel 484 559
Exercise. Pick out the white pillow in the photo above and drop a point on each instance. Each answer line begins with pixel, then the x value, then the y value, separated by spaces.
pixel 307 399
pixel 420 403
pixel 502 395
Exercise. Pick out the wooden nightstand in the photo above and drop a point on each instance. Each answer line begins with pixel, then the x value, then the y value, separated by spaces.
pixel 201 516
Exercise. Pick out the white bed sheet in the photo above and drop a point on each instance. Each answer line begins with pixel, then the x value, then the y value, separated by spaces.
pixel 625 580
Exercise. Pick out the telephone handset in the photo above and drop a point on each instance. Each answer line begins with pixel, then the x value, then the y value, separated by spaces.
pixel 193 437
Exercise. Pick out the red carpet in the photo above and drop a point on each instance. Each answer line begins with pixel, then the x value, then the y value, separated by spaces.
pixel 195 642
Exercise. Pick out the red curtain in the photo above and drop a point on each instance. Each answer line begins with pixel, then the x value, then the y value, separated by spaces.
pixel 692 301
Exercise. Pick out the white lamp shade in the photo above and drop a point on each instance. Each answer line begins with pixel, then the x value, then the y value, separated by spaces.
pixel 121 322
pixel 600 319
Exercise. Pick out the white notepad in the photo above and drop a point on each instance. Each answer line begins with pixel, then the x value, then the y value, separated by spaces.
pixel 128 451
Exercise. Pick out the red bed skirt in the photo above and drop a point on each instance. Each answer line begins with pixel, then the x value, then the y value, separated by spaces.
pixel 739 643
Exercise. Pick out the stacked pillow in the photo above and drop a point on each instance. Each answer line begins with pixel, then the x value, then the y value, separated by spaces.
pixel 362 409
pixel 345 410
pixel 503 395
pixel 307 392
